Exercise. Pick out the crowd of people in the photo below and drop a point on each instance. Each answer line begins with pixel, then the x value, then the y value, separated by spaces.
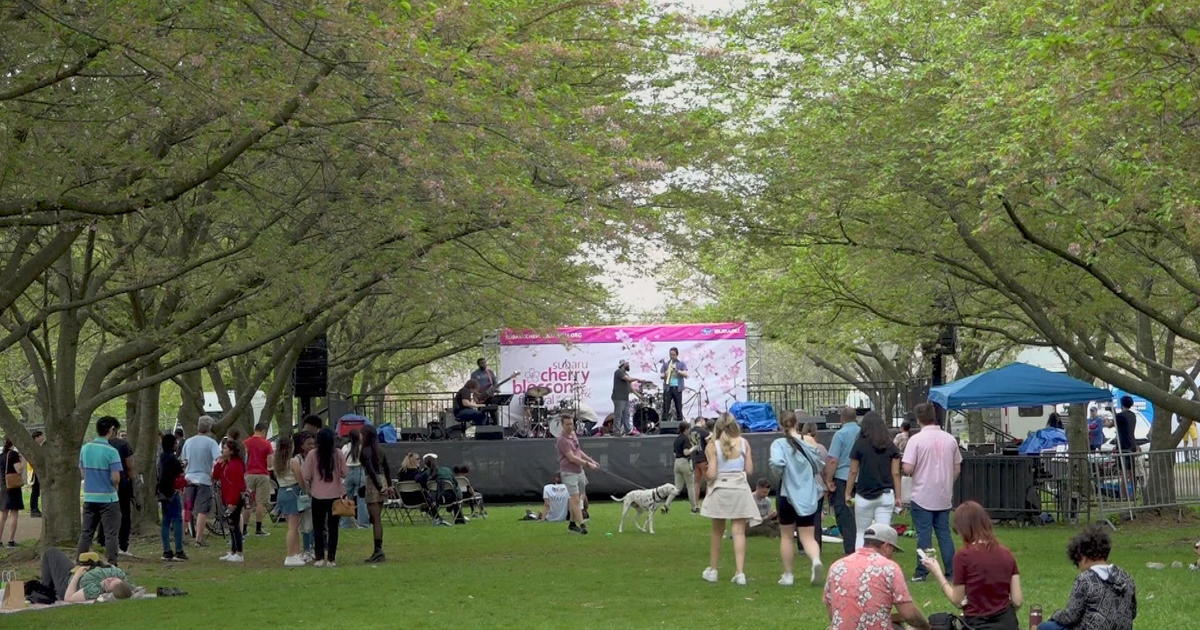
pixel 319 487
pixel 866 589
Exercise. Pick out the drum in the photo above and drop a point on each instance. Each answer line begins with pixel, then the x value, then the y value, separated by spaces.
pixel 555 426
pixel 645 419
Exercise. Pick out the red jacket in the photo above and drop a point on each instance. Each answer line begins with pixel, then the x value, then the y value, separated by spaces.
pixel 232 476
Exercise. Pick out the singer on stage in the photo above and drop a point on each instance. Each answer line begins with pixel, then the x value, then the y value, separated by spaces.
pixel 673 372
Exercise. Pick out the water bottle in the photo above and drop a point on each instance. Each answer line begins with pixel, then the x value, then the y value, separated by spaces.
pixel 1035 617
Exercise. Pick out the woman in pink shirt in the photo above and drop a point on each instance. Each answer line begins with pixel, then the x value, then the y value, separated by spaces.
pixel 324 472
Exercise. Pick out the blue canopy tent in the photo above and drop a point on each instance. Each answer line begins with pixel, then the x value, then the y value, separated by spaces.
pixel 1015 385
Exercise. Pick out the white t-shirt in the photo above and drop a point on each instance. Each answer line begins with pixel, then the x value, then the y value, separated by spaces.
pixel 350 461
pixel 557 495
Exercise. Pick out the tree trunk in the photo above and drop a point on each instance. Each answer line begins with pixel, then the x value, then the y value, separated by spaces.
pixel 144 436
pixel 191 398
pixel 975 431
pixel 59 477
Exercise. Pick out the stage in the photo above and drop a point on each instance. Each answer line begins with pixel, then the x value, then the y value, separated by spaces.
pixel 516 469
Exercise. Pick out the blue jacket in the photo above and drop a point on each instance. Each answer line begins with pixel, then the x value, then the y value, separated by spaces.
pixel 798 471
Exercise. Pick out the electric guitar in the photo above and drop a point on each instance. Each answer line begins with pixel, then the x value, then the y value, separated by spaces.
pixel 482 395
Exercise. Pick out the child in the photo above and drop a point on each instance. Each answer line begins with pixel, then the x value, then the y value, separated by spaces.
pixel 1104 595
pixel 230 472
pixel 170 482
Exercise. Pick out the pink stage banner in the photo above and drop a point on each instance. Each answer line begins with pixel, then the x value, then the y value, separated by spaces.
pixel 623 334
pixel 577 365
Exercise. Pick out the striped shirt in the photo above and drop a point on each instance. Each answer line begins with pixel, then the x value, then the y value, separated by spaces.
pixel 98 460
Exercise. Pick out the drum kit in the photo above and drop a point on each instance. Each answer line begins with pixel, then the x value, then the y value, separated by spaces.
pixel 645 409
pixel 542 420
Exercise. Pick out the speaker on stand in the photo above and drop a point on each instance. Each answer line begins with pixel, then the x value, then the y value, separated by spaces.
pixel 310 377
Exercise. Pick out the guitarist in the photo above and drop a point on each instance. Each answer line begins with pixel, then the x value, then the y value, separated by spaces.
pixel 486 380
pixel 673 372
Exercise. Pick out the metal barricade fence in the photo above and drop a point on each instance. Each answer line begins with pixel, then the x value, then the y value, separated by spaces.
pixel 1061 486
pixel 1149 480
pixel 405 410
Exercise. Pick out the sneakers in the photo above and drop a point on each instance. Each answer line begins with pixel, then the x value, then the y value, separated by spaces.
pixel 167 556
pixel 235 557
pixel 294 561
pixel 12 544
pixel 35 514
pixel 572 528
pixel 918 578
pixel 739 579
pixel 320 563
pixel 262 532
pixel 695 510
pixel 376 558
pixel 329 564
pixel 180 556
pixel 124 552
pixel 226 557
pixel 709 575
pixel 307 556
pixel 817 575
pixel 787 579
pixel 200 543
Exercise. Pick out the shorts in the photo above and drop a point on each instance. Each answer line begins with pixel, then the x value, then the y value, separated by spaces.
pixel 576 483
pixel 286 503
pixel 14 500
pixel 200 497
pixel 260 487
pixel 788 516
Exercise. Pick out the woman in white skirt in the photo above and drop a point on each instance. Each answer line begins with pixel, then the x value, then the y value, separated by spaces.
pixel 729 496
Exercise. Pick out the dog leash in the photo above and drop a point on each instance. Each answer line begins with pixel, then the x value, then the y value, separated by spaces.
pixel 635 484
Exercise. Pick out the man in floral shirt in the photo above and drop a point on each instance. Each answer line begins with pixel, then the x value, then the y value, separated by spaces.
pixel 862 588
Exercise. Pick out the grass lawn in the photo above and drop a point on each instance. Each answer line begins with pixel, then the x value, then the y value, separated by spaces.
pixel 501 573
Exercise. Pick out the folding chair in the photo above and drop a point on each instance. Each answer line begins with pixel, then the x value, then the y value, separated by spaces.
pixel 470 498
pixel 410 498
pixel 445 495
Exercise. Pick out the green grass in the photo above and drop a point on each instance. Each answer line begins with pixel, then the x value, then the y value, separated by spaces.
pixel 501 573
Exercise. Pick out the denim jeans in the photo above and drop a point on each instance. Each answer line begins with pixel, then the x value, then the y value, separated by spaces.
pixel 847 528
pixel 1051 625
pixel 622 421
pixel 354 481
pixel 172 519
pixel 927 524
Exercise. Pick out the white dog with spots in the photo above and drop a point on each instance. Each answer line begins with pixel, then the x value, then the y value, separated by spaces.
pixel 646 500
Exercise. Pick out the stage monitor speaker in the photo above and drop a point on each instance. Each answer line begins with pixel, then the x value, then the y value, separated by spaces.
pixel 669 427
pixel 413 434
pixel 310 378
pixel 489 433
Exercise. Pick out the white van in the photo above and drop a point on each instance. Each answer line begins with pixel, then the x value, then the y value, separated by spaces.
pixel 1020 421
pixel 212 404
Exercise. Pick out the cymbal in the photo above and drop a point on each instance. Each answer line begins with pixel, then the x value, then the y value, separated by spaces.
pixel 537 392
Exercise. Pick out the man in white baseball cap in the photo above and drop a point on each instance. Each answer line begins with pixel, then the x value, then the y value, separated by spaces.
pixel 863 587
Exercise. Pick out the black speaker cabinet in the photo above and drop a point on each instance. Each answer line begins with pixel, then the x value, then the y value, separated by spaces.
pixel 311 375
pixel 671 427
pixel 489 433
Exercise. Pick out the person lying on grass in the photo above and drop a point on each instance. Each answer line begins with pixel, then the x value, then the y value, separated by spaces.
pixel 84 582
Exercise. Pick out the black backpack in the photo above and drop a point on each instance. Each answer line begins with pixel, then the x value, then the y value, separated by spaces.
pixel 946 621
pixel 38 593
